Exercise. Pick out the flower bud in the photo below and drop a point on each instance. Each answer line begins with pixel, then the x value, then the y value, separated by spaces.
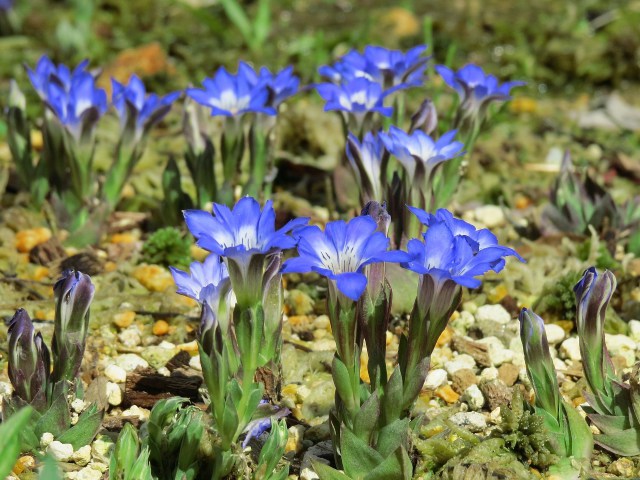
pixel 425 118
pixel 73 293
pixel 29 361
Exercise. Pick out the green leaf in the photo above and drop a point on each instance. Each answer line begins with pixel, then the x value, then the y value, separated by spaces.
pixel 50 469
pixel 325 472
pixel 393 396
pixel 395 467
pixel 262 22
pixel 342 381
pixel 83 432
pixel 358 458
pixel 236 14
pixel 55 420
pixel 579 433
pixel 366 419
pixel 10 431
pixel 625 443
pixel 392 436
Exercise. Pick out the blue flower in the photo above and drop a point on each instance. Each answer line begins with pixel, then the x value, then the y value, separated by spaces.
pixel 418 152
pixel 389 68
pixel 136 109
pixel 341 252
pixel 281 85
pixel 265 413
pixel 454 249
pixel 6 5
pixel 475 88
pixel 233 95
pixel 243 231
pixel 205 282
pixel 72 96
pixel 366 160
pixel 357 96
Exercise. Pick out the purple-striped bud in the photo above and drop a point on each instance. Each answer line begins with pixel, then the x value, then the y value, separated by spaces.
pixel 425 118
pixel 29 361
pixel 73 293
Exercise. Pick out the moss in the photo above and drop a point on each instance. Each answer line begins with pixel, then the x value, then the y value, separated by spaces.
pixel 524 433
pixel 557 297
pixel 604 259
pixel 167 247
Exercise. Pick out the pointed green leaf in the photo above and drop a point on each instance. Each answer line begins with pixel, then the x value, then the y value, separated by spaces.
pixel 579 433
pixel 358 458
pixel 55 420
pixel 10 431
pixel 325 472
pixel 396 466
pixel 392 436
pixel 367 418
pixel 83 432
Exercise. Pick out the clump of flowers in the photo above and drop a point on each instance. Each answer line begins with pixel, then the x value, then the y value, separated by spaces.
pixel 240 343
pixel 235 97
pixel 49 392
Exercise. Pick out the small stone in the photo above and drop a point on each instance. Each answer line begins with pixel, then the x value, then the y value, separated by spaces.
pixel 89 473
pixel 130 337
pixel 472 421
pixel 46 439
pixel 62 452
pixel 124 319
pixel 623 346
pixel 154 277
pixel 294 440
pixel 508 373
pixel 498 354
pixel 27 239
pixel 115 373
pixel 463 379
pixel 194 362
pixel 496 393
pixel 114 394
pixel 463 322
pixel 299 302
pixel 447 394
pixel 435 378
pixel 555 333
pixel 559 364
pixel 490 373
pixel 25 462
pixel 82 456
pixel 324 345
pixel 570 349
pixel 160 328
pixel 135 411
pixel 319 453
pixel 158 356
pixel 460 362
pixel 474 398
pixel 309 474
pixel 164 371
pixel 322 322
pixel 78 405
pixel 190 347
pixel 634 330
pixel 491 216
pixel 130 361
pixel 318 433
pixel 445 337
pixel 493 313
pixel 101 447
pixel 622 467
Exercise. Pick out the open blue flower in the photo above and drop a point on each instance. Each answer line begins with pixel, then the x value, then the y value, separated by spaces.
pixel 454 249
pixel 389 68
pixel 281 85
pixel 357 96
pixel 418 152
pixel 341 252
pixel 47 72
pixel 475 88
pixel 366 160
pixel 261 421
pixel 205 282
pixel 243 231
pixel 6 5
pixel 137 110
pixel 233 95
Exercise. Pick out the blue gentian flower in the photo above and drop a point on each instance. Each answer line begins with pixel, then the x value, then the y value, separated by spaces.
pixel 357 96
pixel 205 282
pixel 47 72
pixel 233 95
pixel 341 252
pixel 366 160
pixel 475 88
pixel 137 110
pixel 264 413
pixel 418 152
pixel 454 249
pixel 281 85
pixel 6 5
pixel 389 68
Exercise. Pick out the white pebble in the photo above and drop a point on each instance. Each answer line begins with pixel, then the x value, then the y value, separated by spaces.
pixel 78 405
pixel 491 216
pixel 472 421
pixel 570 349
pixel 494 313
pixel 82 456
pixel 464 322
pixel 555 333
pixel 559 364
pixel 458 363
pixel 46 439
pixel 488 374
pixel 114 394
pixel 167 345
pixel 308 474
pixel 115 373
pixel 623 346
pixel 498 354
pixel 634 330
pixel 435 378
pixel 194 362
pixel 164 371
pixel 130 361
pixel 135 411
pixel 130 337
pixel 473 396
pixel 60 451
pixel 89 473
